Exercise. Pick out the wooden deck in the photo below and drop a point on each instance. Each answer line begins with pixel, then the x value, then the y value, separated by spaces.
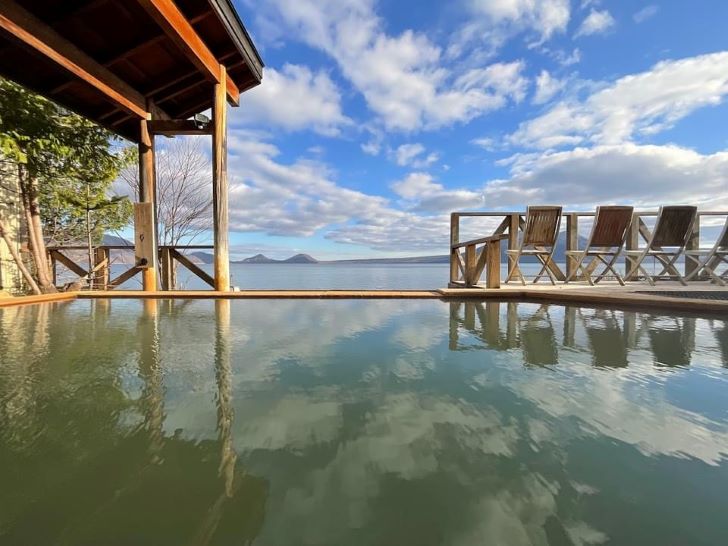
pixel 715 299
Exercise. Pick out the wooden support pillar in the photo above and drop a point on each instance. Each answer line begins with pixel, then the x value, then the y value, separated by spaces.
pixel 220 185
pixel 572 241
pixel 693 244
pixel 166 265
pixel 147 194
pixel 513 227
pixel 454 239
pixel 492 271
pixel 632 244
pixel 102 268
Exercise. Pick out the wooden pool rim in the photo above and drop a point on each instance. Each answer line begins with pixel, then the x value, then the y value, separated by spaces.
pixel 611 297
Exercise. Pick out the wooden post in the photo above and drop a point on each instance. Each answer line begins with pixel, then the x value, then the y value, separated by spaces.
pixel 102 268
pixel 220 185
pixel 693 244
pixel 513 228
pixel 166 267
pixel 572 241
pixel 454 239
pixel 632 244
pixel 147 194
pixel 471 263
pixel 492 271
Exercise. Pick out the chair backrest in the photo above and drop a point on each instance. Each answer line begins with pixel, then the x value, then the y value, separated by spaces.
pixel 542 226
pixel 674 226
pixel 610 226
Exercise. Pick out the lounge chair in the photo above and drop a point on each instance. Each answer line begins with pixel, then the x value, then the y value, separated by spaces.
pixel 539 239
pixel 607 238
pixel 673 229
pixel 712 258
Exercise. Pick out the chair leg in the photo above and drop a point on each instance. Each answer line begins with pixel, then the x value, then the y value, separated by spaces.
pixel 610 267
pixel 638 265
pixel 671 263
pixel 576 267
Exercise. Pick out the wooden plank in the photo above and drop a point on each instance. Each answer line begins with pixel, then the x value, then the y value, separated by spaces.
pixel 69 263
pixel 220 187
pixel 185 261
pixel 36 35
pixel 173 127
pixel 182 33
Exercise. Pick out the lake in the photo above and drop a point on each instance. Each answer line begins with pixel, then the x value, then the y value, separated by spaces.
pixel 359 422
pixel 325 276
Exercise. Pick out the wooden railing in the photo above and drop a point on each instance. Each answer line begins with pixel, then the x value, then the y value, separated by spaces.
pixel 100 274
pixel 511 223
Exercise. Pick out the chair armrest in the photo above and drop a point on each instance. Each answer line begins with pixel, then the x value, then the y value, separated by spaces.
pixel 480 241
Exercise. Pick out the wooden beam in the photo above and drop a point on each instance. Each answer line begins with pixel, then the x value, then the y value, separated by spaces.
pixel 189 264
pixel 36 35
pixel 182 33
pixel 125 276
pixel 147 194
pixel 220 186
pixel 174 127
pixel 69 263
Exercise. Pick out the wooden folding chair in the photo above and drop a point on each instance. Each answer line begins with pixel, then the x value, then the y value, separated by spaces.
pixel 712 258
pixel 539 239
pixel 608 234
pixel 673 229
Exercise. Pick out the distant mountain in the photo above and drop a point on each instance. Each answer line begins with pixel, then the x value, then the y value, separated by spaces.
pixel 201 257
pixel 559 256
pixel 300 259
pixel 113 240
pixel 257 259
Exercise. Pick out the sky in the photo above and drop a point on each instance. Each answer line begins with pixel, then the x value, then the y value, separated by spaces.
pixel 376 119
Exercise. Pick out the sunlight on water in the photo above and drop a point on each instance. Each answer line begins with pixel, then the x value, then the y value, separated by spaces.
pixel 360 422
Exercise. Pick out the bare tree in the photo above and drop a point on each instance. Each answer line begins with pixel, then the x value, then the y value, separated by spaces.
pixel 184 190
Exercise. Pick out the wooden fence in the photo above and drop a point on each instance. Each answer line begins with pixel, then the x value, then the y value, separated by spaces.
pixel 101 272
pixel 511 223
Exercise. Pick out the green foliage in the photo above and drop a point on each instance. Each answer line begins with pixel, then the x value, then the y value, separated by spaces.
pixel 72 159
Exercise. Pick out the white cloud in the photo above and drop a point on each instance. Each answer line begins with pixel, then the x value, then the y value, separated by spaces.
pixel 302 197
pixel 546 87
pixel 294 98
pixel 645 13
pixel 646 176
pixel 402 78
pixel 544 17
pixel 413 155
pixel 597 22
pixel 489 144
pixel 639 104
pixel 425 194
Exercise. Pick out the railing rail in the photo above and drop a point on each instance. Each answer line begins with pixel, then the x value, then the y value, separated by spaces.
pixel 100 275
pixel 513 222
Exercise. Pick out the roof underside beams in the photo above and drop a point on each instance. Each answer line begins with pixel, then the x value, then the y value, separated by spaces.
pixel 119 62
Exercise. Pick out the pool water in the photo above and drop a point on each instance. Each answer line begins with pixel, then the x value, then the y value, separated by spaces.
pixel 420 422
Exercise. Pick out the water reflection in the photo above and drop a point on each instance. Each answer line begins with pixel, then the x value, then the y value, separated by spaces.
pixel 360 422
pixel 609 334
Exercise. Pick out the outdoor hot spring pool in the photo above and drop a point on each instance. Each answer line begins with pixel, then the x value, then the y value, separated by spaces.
pixel 372 422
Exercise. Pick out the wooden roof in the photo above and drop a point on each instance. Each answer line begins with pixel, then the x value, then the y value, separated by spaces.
pixel 116 62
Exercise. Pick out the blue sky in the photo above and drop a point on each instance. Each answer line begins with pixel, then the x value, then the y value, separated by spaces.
pixel 376 119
